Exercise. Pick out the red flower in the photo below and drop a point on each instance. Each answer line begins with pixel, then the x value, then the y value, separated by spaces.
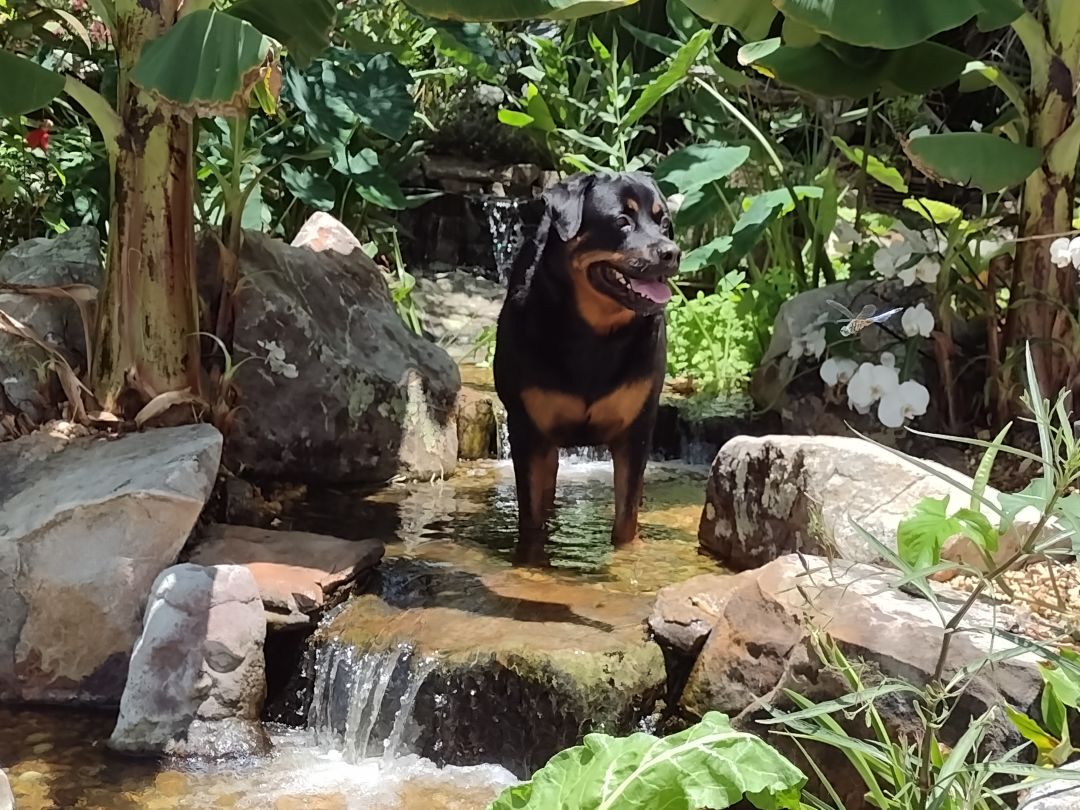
pixel 38 139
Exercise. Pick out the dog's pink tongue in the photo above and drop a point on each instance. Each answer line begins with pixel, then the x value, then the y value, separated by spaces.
pixel 657 291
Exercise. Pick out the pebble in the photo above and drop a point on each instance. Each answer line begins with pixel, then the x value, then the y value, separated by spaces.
pixel 1046 594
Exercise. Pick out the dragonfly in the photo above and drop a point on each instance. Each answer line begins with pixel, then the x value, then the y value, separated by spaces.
pixel 856 323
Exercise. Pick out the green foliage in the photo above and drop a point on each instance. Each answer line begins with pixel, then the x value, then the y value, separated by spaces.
pixel 974 158
pixel 27 86
pixel 921 536
pixel 710 765
pixel 559 105
pixel 1061 693
pixel 502 10
pixel 709 341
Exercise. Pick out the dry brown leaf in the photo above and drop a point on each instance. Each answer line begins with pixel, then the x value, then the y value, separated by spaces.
pixel 76 292
pixel 163 402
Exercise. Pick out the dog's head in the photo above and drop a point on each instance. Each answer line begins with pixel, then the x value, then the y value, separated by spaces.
pixel 617 233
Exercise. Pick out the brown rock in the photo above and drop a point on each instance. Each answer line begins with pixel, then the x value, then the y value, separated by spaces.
pixel 476 424
pixel 294 570
pixel 748 625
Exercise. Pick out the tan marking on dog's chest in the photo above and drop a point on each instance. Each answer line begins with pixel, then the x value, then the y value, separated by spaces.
pixel 554 411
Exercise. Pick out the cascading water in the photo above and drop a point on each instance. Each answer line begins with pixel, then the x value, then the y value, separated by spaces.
pixel 504 222
pixel 362 702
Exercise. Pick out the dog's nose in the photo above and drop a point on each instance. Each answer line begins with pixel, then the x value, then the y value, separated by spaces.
pixel 669 253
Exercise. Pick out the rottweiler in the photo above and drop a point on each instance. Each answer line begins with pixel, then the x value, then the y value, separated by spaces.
pixel 581 345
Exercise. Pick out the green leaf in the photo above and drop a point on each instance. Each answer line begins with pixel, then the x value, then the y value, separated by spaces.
pixel 710 254
pixel 973 158
pixel 980 75
pixel 933 211
pixel 508 10
pixel 817 70
pixel 339 92
pixel 924 67
pixel 699 165
pixel 538 110
pixel 976 526
pixel 1064 680
pixel 1036 494
pixel 882 23
pixel 1031 731
pixel 469 45
pixel 922 534
pixel 999 13
pixel 302 26
pixel 513 118
pixel 751 18
pixel 26 87
pixel 707 766
pixel 875 167
pixel 677 67
pixel 700 206
pixel 308 187
pixel 206 63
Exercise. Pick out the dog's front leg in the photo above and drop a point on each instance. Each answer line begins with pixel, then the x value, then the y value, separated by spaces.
pixel 630 454
pixel 536 467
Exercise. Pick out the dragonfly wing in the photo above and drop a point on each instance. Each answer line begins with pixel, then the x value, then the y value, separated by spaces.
pixel 840 308
pixel 866 312
pixel 884 316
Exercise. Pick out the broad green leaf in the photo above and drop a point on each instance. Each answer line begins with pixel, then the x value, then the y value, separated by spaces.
pixel 206 63
pixel 1064 680
pixel 832 68
pixel 302 26
pixel 709 765
pixel 973 158
pixel 753 51
pixel 923 67
pixel 922 534
pixel 798 35
pixel 513 118
pixel 1035 494
pixel 657 42
pixel 508 10
pixel 26 87
pixel 308 187
pixel 700 206
pixel 1031 731
pixel 469 45
pixel 336 96
pixel 977 528
pixel 999 13
pixel 782 197
pixel 980 75
pixel 886 24
pixel 675 71
pixel 699 165
pixel 751 18
pixel 934 211
pixel 538 110
pixel 708 255
pixel 817 70
pixel 875 167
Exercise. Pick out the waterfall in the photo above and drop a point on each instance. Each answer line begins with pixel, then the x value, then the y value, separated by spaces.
pixel 363 702
pixel 504 222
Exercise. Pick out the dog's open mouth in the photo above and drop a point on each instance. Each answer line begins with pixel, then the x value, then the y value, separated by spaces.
pixel 634 292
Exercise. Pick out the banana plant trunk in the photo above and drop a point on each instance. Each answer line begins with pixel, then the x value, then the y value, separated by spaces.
pixel 146 343
pixel 1045 296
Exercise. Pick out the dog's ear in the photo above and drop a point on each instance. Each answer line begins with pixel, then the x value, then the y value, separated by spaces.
pixel 566 203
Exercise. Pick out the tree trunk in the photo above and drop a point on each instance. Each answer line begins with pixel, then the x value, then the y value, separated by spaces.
pixel 146 343
pixel 1045 296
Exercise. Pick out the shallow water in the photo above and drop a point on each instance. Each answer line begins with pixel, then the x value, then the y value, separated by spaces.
pixel 56 758
pixel 469 522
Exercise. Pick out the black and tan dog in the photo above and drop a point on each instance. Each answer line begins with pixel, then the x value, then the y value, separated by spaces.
pixel 581 347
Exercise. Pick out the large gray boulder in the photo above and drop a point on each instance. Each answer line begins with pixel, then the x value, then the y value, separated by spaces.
pixel 73 257
pixel 197 679
pixel 772 495
pixel 86 525
pixel 344 392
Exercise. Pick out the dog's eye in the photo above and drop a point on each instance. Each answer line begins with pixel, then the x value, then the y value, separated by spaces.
pixel 625 223
pixel 665 226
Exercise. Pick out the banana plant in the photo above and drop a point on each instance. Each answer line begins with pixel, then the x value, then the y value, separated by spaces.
pixel 856 48
pixel 179 60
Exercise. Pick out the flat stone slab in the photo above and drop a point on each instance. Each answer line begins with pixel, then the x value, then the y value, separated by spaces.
pixel 295 571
